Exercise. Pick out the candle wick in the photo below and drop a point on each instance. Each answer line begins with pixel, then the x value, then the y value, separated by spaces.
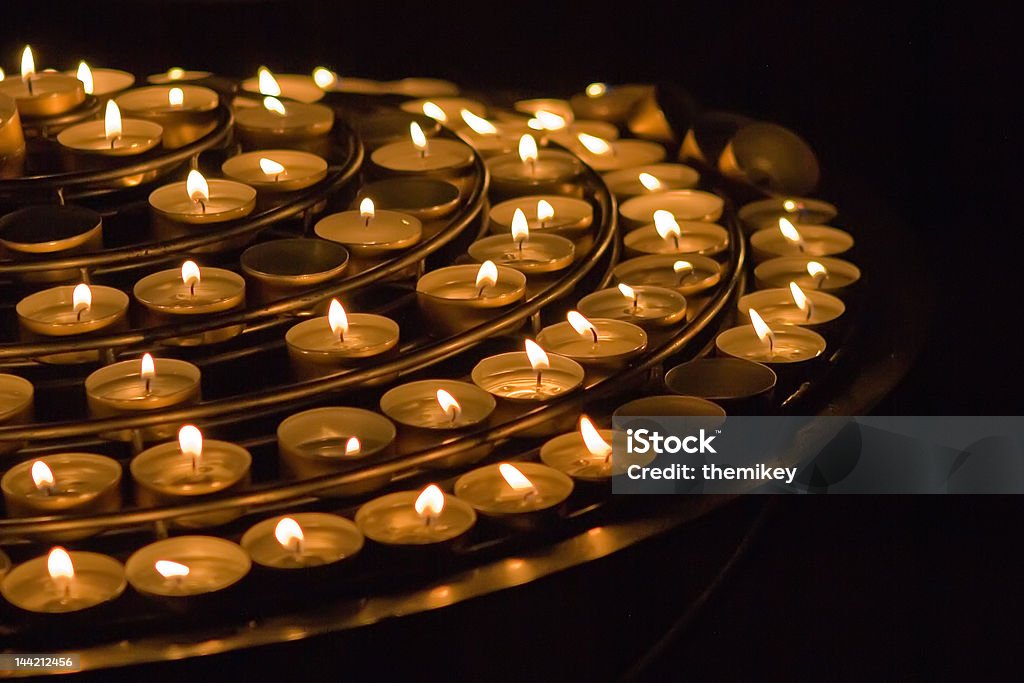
pixel 593 332
pixel 195 465
pixel 543 224
pixel 341 336
pixel 366 224
pixel 28 84
pixel 810 309
pixel 539 373
pixel 480 293
pixel 297 547
pixel 636 303
pixel 78 314
pixel 147 385
pixel 113 142
pixel 675 241
pixel 277 177
pixel 533 167
pixel 202 205
pixel 427 519
pixel 771 346
pixel 423 153
pixel 192 288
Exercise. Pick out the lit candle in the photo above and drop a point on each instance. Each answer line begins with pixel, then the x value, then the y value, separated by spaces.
pixel 44 94
pixel 530 254
pixel 63 581
pixel 552 106
pixel 299 87
pixel 323 346
pixel 12 137
pixel 608 103
pixel 415 518
pixel 420 155
pixel 824 273
pixel 532 172
pixel 50 229
pixel 187 295
pixel 558 129
pixel 322 441
pixel 804 240
pixel 101 82
pixel 186 112
pixel 176 74
pixel 272 123
pixel 180 209
pixel 276 170
pixel 765 213
pixel 16 406
pixel 760 342
pixel 445 110
pixel 302 540
pixel 391 125
pixel 431 200
pixel 648 306
pixel 329 81
pixel 602 342
pixel 519 494
pixel 688 274
pixel 793 306
pixel 563 216
pixel 277 269
pixel 603 155
pixel 684 205
pixel 112 136
pixel 487 137
pixel 187 470
pixel 669 236
pixel 458 298
pixel 71 311
pixel 642 180
pixel 584 455
pixel 186 566
pixel 370 235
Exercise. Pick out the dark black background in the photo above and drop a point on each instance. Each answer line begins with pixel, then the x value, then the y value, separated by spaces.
pixel 915 99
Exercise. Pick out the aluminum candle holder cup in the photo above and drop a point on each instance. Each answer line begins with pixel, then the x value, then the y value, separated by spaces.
pixel 447 298
pixel 165 299
pixel 541 501
pixel 183 124
pixel 659 270
pixel 840 277
pixel 572 220
pixel 303 126
pixel 316 351
pixel 51 95
pixel 554 172
pixel 655 308
pixel 684 205
pixel 98 580
pixel 45 231
pixel 740 386
pixel 12 137
pixel 51 313
pixel 794 355
pixel 392 522
pixel 17 396
pixel 450 160
pixel 328 542
pixel 708 136
pixel 615 103
pixel 815 241
pixel 696 237
pixel 429 200
pixel 202 569
pixel 627 183
pixel 541 257
pixel 771 157
pixel 777 307
pixel 617 343
pixel 284 268
pixel 765 213
pixel 176 215
pixel 315 443
pixel 390 125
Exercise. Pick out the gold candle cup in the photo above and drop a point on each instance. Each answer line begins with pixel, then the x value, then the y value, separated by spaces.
pixel 301 126
pixel 52 94
pixel 554 172
pixel 166 298
pixel 765 213
pixel 213 565
pixel 176 215
pixel 45 231
pixel 450 300
pixel 626 183
pixel 492 496
pixel 614 103
pixel 16 406
pixel 279 269
pixel 740 386
pixel 815 240
pixel 429 200
pixel 301 170
pixel 315 350
pixel 193 119
pixel 684 205
pixel 695 237
pixel 326 540
pixel 839 278
pixel 610 345
pixel 653 308
pixel 659 270
pixel 392 520
pixel 772 158
pixel 51 313
pixel 12 137
pixel 97 579
pixel 298 87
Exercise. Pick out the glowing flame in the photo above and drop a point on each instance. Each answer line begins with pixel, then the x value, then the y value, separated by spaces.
pixel 592 439
pixel 366 209
pixel 581 324
pixel 627 291
pixel 790 232
pixel 42 476
pixel 324 77
pixel 58 564
pixel 666 225
pixel 527 148
pixel 268 84
pixel 790 206
pixel 545 211
pixel 176 97
pixel 85 75
pixel 337 318
pixel 273 104
pixel 148 370
pixel 289 534
pixel 594 144
pixel 816 270
pixel 546 120
pixel 520 227
pixel 448 404
pixel 764 333
pixel 2 75
pixel 435 112
pixel 681 267
pixel 478 124
pixel 175 73
pixel 81 298
pixel 538 358
pixel 353 446
pixel 190 441
pixel 649 182
pixel 596 89
pixel 487 276
pixel 196 186
pixel 514 477
pixel 270 167
pixel 430 502
pixel 419 139
pixel 112 121
pixel 28 63
pixel 170 569
pixel 190 274
pixel 802 301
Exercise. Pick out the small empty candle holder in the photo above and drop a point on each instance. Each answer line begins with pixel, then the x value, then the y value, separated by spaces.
pixel 185 208
pixel 520 495
pixel 684 205
pixel 62 582
pixel 302 540
pixel 603 343
pixel 416 518
pixel 45 231
pixel 772 158
pixel 688 274
pixel 433 412
pixel 646 306
pixel 669 236
pixel 370 235
pixel 187 470
pixel 534 172
pixel 741 386
pixel 279 269
pixel 173 570
pixel 325 345
pixel 650 178
pixel 185 112
pixel 189 294
pixel 332 440
pixel 458 298
pixel 16 406
pixel 71 310
pixel 765 213
pixel 789 239
pixel 135 386
pixel 824 273
pixel 276 170
pixel 566 217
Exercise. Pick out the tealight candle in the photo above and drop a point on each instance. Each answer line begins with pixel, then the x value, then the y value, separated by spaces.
pixel 323 346
pixel 101 82
pixel 765 213
pixel 584 455
pixel 642 180
pixel 457 298
pixel 42 95
pixel 187 470
pixel 302 540
pixel 390 125
pixel 608 103
pixel 793 306
pixel 328 81
pixel 275 124
pixel 299 87
pixel 49 230
pixel 62 582
pixel 669 236
pixel 187 295
pixel 432 412
pixel 178 75
pixel 490 138
pixel 560 108
pixel 445 110
pixel 69 310
pixel 603 155
pixel 533 172
pixel 183 208
pixel 602 342
pixel 538 254
pixel 113 136
pixel 430 200
pixel 558 130
pixel 133 386
pixel 370 235
pixel 16 406
pixel 419 155
pixel 671 406
pixel 519 494
pixel 648 307
pixel 564 216
pixel 788 239
pixel 415 518
pixel 785 344
pixel 684 205
pixel 185 112
pixel 323 441
pixel 276 170
pixel 688 274
pixel 12 137
pixel 185 566
pixel 276 269
pixel 741 386
pixel 810 273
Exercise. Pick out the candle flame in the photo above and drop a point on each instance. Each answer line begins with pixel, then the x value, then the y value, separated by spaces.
pixel 288 533
pixel 527 148
pixel 592 439
pixel 176 97
pixel 197 187
pixel 514 477
pixel 580 323
pixel 190 274
pixel 627 291
pixel 175 73
pixel 547 120
pixel 478 124
pixel 148 370
pixel 666 225
pixel 816 270
pixel 324 77
pixel 81 298
pixel 42 475
pixel 28 63
pixel 270 167
pixel 764 333
pixel 790 206
pixel 268 84
pixel 545 211
pixel 487 276
pixel 802 301
pixel 366 208
pixel 275 105
pixel 538 358
pixel 353 446
pixel 596 89
pixel 190 440
pixel 58 564
pixel 337 318
pixel 419 139
pixel 448 404
pixel 170 569
pixel 430 502
pixel 649 181
pixel 2 75
pixel 435 112
pixel 682 267
pixel 594 144
pixel 790 232
pixel 520 227
pixel 112 121
pixel 84 74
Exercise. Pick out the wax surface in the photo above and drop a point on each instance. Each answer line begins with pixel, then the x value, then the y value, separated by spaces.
pixel 406 157
pixel 167 290
pixel 486 490
pixel 367 335
pixel 98 578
